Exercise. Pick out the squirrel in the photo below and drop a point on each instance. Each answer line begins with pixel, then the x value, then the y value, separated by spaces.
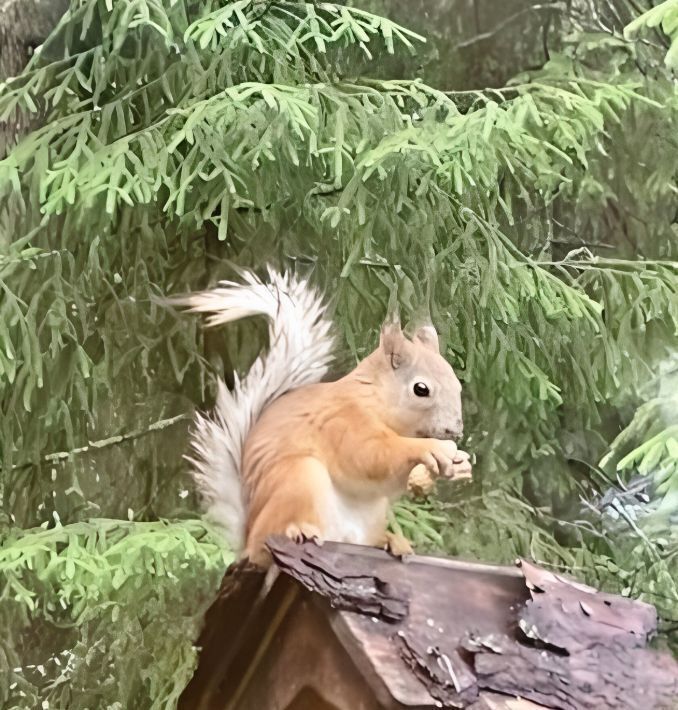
pixel 285 453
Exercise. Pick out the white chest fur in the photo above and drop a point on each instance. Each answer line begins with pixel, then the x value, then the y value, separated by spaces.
pixel 356 520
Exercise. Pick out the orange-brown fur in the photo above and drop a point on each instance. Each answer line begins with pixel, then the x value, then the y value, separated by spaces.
pixel 324 448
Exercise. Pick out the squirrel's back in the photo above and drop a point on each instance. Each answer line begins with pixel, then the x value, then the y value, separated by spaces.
pixel 312 420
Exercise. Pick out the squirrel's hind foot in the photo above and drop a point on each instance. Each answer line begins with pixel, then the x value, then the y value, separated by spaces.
pixel 301 532
pixel 398 545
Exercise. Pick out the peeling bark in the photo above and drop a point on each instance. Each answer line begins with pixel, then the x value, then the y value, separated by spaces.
pixel 581 649
pixel 447 677
pixel 574 617
pixel 350 589
pixel 563 645
pixel 601 677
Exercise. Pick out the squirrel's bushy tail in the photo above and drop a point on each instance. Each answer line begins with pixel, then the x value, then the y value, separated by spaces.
pixel 300 351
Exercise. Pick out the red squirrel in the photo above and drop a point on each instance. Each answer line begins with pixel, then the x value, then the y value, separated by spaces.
pixel 284 453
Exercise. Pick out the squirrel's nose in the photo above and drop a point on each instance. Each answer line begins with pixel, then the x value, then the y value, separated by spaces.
pixel 455 432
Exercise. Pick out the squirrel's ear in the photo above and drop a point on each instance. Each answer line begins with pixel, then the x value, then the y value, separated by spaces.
pixel 393 342
pixel 428 337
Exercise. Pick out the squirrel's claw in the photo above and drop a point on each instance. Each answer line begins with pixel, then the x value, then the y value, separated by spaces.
pixel 303 532
pixel 398 545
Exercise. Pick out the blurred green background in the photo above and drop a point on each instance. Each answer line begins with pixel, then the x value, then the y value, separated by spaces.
pixel 514 174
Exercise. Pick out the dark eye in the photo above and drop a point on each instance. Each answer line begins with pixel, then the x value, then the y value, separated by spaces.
pixel 421 390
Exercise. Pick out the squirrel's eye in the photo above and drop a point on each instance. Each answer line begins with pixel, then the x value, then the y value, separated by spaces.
pixel 421 390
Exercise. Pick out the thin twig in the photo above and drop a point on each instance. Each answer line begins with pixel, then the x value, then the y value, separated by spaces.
pixel 507 21
pixel 110 441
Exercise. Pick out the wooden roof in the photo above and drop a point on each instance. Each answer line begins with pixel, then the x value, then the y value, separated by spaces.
pixel 433 632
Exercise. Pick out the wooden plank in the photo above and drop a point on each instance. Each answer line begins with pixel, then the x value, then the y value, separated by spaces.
pixel 305 668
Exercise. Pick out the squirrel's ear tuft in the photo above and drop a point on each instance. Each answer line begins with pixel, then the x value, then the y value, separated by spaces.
pixel 393 342
pixel 428 337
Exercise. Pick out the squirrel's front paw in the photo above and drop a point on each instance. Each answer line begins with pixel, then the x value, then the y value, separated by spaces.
pixel 439 457
pixel 461 466
pixel 301 532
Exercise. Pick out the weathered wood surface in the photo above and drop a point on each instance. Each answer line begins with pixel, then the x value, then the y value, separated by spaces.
pixel 579 648
pixel 539 636
pixel 416 656
pixel 428 632
pixel 356 588
pixel 247 625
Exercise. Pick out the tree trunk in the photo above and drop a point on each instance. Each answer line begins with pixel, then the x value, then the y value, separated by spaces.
pixel 472 44
pixel 24 25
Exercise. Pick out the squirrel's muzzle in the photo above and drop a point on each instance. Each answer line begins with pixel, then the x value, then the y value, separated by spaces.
pixel 453 433
pixel 456 431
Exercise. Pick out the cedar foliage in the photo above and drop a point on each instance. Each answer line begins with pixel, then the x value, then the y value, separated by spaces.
pixel 535 222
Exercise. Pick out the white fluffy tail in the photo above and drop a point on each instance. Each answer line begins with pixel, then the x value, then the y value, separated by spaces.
pixel 300 351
